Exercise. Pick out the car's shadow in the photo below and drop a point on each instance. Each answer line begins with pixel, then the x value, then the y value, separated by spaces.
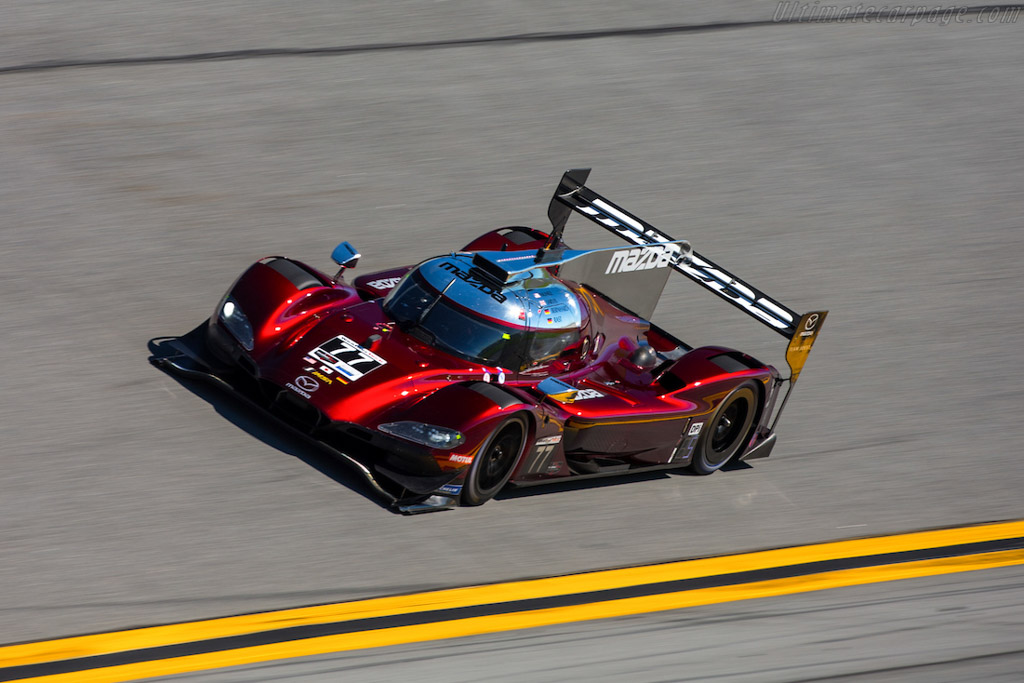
pixel 250 420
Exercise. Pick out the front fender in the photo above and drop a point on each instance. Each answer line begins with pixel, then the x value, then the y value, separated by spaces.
pixel 279 296
pixel 474 409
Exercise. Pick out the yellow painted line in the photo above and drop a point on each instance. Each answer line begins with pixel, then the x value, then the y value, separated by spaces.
pixel 157 636
pixel 545 617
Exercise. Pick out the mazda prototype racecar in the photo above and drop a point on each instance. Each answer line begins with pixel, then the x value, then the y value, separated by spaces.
pixel 515 360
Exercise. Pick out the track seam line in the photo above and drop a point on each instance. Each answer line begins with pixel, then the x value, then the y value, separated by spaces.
pixel 513 39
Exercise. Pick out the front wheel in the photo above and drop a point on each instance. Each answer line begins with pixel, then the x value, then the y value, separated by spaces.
pixel 495 461
pixel 725 434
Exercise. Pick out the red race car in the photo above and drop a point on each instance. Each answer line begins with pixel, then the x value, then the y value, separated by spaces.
pixel 516 360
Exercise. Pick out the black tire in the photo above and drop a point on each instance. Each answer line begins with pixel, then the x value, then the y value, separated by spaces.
pixel 493 465
pixel 725 434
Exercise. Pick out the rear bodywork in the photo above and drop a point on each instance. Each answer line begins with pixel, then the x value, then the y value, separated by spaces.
pixel 326 357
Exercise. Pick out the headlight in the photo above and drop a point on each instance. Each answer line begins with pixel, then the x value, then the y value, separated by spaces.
pixel 238 325
pixel 428 435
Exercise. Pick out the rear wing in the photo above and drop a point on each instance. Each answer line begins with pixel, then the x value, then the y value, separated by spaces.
pixel 633 277
pixel 801 330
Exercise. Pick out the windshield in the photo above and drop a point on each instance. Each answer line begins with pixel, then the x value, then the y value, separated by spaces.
pixel 453 329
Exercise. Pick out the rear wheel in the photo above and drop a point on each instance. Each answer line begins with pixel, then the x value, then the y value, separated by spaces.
pixel 493 465
pixel 725 434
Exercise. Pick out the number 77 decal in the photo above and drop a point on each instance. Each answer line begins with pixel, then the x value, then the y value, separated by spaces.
pixel 342 355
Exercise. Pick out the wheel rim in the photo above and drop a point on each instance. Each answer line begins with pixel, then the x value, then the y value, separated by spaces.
pixel 728 427
pixel 499 456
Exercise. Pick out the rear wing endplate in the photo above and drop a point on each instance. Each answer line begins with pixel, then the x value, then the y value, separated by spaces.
pixel 801 330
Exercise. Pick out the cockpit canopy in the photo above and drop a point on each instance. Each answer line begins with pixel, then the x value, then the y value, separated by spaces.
pixel 525 324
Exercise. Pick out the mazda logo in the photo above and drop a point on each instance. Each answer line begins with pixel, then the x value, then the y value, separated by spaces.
pixel 307 383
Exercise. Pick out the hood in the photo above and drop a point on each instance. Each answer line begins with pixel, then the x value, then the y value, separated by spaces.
pixel 355 365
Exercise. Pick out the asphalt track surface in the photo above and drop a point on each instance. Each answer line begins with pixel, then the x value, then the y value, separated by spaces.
pixel 939 630
pixel 872 169
pixel 264 639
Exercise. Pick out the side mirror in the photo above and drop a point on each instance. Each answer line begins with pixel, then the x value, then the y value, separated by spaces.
pixel 558 390
pixel 346 256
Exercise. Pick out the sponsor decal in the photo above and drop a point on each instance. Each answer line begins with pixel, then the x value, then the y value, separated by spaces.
pixel 625 225
pixel 540 461
pixel 474 281
pixel 460 458
pixel 343 359
pixel 549 440
pixel 584 394
pixel 761 308
pixel 298 391
pixel 644 258
pixel 810 324
pixel 307 383
pixel 571 394
pixel 452 489
pixel 384 283
pixel 322 377
pixel 685 261
pixel 499 376
pixel 687 442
